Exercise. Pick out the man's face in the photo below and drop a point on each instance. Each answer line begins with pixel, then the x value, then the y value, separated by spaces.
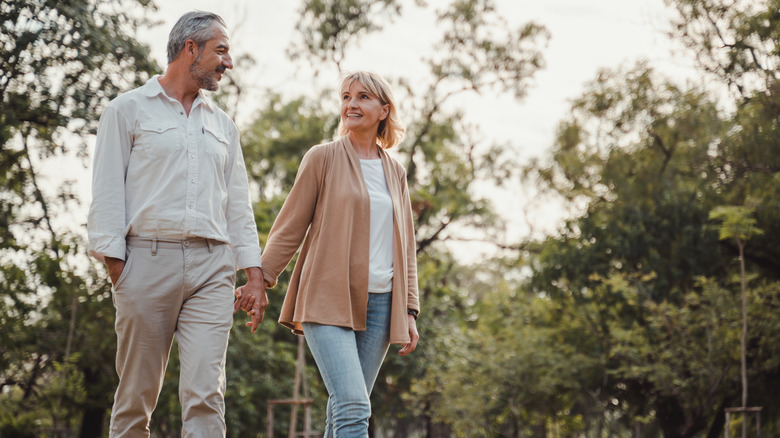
pixel 213 60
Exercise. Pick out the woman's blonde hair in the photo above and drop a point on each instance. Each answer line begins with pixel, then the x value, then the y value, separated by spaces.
pixel 391 130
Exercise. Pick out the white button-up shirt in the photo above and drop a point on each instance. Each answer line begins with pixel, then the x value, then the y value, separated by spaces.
pixel 159 173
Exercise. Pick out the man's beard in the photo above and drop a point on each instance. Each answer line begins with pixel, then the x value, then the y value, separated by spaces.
pixel 206 80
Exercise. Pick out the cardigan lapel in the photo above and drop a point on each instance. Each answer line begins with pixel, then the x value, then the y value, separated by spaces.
pixel 391 177
pixel 352 156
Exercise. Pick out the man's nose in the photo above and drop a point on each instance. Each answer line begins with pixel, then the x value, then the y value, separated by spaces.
pixel 227 61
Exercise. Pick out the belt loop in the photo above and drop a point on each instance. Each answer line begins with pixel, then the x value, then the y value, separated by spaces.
pixel 154 246
pixel 211 246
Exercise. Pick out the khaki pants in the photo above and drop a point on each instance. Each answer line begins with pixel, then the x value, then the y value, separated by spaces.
pixel 173 288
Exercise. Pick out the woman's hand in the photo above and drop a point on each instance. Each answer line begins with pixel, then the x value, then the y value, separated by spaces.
pixel 413 336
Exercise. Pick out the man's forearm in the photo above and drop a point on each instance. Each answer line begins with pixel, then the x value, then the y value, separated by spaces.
pixel 254 274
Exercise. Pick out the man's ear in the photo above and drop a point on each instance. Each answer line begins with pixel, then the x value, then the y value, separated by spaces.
pixel 191 48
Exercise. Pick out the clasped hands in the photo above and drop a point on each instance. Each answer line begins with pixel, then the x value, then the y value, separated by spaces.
pixel 252 299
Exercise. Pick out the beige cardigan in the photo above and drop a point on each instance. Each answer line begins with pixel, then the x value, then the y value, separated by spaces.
pixel 328 209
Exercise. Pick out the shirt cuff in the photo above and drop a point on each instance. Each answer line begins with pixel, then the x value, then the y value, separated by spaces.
pixel 107 246
pixel 247 257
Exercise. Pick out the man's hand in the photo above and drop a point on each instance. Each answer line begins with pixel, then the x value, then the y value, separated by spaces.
pixel 252 297
pixel 115 268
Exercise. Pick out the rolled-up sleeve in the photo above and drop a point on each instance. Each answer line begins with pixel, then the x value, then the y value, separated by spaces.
pixel 106 220
pixel 241 225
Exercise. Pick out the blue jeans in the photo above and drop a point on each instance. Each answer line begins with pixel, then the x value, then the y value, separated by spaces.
pixel 349 362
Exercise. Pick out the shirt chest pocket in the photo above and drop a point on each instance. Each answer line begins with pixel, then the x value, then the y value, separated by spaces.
pixel 215 145
pixel 157 137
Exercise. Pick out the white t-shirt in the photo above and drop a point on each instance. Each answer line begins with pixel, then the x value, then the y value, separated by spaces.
pixel 380 260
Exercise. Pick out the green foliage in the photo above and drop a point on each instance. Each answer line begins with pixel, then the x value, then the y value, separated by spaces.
pixel 736 222
pixel 277 139
pixel 648 166
pixel 735 40
pixel 644 183
pixel 685 354
pixel 480 49
pixel 60 62
pixel 59 368
pixel 328 27
pixel 497 377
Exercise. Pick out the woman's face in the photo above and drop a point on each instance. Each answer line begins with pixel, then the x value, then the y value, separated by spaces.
pixel 361 111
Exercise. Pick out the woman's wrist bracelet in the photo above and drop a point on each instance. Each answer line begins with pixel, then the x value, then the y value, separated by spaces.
pixel 412 312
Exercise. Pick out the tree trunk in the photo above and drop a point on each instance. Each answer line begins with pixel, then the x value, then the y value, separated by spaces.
pixel 716 428
pixel 743 340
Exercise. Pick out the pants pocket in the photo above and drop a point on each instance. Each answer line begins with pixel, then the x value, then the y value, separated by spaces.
pixel 128 264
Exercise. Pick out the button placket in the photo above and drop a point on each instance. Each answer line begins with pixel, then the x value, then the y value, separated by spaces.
pixel 192 175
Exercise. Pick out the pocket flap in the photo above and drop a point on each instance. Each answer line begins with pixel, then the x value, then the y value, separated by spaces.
pixel 217 134
pixel 158 126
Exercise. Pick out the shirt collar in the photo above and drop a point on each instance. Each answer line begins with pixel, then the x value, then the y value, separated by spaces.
pixel 152 88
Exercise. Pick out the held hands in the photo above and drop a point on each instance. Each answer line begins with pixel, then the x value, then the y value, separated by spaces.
pixel 252 299
pixel 413 336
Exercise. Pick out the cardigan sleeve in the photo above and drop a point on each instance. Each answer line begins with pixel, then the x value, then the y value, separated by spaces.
pixel 412 300
pixel 292 223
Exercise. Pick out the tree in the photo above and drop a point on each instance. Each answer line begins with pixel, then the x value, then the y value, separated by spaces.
pixel 646 161
pixel 738 225
pixel 738 42
pixel 59 64
pixel 329 27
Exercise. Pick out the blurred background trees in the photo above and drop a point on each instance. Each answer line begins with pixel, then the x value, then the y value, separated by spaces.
pixel 60 63
pixel 626 322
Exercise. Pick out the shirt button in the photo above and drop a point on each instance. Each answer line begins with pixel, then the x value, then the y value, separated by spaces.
pixel 190 207
pixel 190 132
pixel 192 181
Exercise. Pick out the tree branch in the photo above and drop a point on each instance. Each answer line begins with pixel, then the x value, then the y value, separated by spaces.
pixel 39 196
pixel 421 245
pixel 660 143
pixel 516 247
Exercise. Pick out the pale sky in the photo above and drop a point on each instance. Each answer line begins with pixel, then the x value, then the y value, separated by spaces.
pixel 585 37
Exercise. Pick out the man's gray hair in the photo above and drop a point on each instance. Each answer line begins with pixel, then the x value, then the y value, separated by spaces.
pixel 196 26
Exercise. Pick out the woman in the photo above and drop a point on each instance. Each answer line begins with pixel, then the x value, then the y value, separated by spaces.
pixel 353 290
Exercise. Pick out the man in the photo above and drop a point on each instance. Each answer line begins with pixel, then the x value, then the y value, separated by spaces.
pixel 172 220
